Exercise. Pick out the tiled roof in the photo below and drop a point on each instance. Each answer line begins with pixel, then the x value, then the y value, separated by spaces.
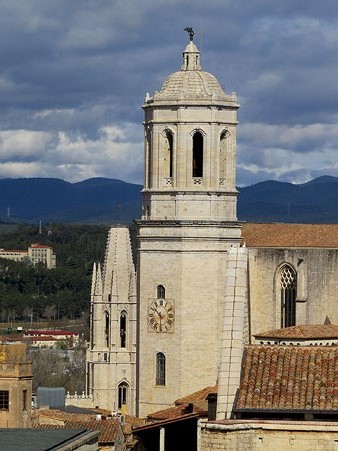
pixel 290 235
pixel 49 332
pixel 200 395
pixel 177 412
pixel 193 403
pixel 134 421
pixel 40 246
pixel 108 428
pixel 62 415
pixel 306 332
pixel 289 378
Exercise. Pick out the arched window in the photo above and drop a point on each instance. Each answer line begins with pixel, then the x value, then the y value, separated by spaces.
pixel 197 155
pixel 160 292
pixel 168 156
pixel 123 329
pixel 107 328
pixel 160 368
pixel 122 394
pixel 288 292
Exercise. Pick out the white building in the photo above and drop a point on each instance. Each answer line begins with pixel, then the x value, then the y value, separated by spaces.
pixel 36 253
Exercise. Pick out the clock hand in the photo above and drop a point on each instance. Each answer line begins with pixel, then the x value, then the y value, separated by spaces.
pixel 161 317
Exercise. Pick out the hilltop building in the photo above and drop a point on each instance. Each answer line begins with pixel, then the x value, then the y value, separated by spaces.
pixel 15 386
pixel 51 338
pixel 36 253
pixel 206 284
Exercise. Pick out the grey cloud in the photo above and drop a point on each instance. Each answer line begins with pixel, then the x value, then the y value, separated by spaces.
pixel 76 67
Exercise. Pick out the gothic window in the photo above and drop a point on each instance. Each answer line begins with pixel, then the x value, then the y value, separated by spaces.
pixel 122 394
pixel 160 368
pixel 288 292
pixel 123 329
pixel 160 292
pixel 197 155
pixel 107 328
pixel 168 156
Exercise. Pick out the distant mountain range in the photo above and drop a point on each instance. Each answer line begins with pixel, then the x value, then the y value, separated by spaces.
pixel 110 201
pixel 312 202
pixel 93 201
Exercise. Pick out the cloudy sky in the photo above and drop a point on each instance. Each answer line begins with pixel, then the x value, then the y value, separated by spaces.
pixel 73 75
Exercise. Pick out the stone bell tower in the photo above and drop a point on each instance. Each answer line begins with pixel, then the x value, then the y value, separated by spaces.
pixel 188 225
pixel 111 356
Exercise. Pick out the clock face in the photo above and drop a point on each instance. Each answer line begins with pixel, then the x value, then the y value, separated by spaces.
pixel 161 315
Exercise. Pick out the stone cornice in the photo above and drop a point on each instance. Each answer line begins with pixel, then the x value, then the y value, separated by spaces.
pixel 187 223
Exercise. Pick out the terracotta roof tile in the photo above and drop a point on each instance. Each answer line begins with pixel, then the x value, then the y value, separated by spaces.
pixel 305 332
pixel 193 403
pixel 177 412
pixel 134 421
pixel 290 235
pixel 289 378
pixel 200 395
pixel 59 415
pixel 108 429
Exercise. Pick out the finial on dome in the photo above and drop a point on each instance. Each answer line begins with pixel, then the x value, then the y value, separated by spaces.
pixel 190 32
pixel 191 54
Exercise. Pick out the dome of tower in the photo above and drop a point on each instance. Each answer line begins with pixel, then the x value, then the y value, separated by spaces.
pixel 191 82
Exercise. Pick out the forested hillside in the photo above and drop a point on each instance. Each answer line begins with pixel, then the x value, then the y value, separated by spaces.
pixel 31 293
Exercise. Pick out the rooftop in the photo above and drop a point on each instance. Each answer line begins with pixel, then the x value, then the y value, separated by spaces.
pixel 50 418
pixel 306 332
pixel 290 235
pixel 49 332
pixel 194 403
pixel 301 378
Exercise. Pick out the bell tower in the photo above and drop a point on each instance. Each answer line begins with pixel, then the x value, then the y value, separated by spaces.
pixel 188 225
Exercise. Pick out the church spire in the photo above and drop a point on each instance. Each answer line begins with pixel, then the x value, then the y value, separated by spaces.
pixel 191 54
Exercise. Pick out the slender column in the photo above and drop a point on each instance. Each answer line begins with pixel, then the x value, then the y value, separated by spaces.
pixel 162 439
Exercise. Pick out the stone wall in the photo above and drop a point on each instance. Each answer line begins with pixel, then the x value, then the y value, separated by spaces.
pixel 269 435
pixel 317 286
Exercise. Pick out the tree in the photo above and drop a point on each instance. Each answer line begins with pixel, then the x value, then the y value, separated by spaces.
pixel 50 312
pixel 58 368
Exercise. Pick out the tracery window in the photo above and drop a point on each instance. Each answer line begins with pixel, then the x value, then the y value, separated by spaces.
pixel 288 292
pixel 160 368
pixel 160 292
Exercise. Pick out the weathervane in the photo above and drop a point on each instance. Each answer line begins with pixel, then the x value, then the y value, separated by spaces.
pixel 191 32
